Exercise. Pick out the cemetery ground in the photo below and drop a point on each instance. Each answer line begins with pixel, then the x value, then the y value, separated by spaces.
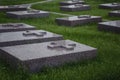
pixel 106 66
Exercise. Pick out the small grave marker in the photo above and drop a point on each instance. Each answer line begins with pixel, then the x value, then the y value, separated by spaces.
pixel 113 26
pixel 10 27
pixel 76 7
pixel 113 6
pixel 27 14
pixel 71 2
pixel 27 37
pixel 13 8
pixel 114 13
pixel 77 20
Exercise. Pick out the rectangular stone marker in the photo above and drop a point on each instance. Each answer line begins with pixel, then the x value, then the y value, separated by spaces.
pixel 76 7
pixel 113 26
pixel 71 2
pixel 78 20
pixel 13 8
pixel 27 37
pixel 110 6
pixel 11 27
pixel 34 57
pixel 28 14
pixel 114 13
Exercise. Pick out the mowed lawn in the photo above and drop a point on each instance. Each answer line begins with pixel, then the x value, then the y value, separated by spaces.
pixel 106 66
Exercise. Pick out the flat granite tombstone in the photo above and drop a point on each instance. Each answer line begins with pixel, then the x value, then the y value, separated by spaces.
pixel 76 7
pixel 28 14
pixel 114 13
pixel 71 2
pixel 12 27
pixel 27 37
pixel 13 8
pixel 77 20
pixel 110 6
pixel 113 26
pixel 34 57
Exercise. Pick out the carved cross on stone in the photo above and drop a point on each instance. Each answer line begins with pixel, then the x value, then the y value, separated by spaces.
pixel 78 5
pixel 38 34
pixel 11 25
pixel 55 45
pixel 75 0
pixel 115 3
pixel 32 11
pixel 84 16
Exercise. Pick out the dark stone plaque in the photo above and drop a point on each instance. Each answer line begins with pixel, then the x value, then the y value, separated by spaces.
pixel 113 26
pixel 76 7
pixel 71 2
pixel 28 14
pixel 78 20
pixel 114 13
pixel 113 6
pixel 13 8
pixel 27 37
pixel 11 27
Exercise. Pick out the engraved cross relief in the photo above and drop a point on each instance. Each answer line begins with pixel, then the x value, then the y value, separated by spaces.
pixel 55 45
pixel 116 4
pixel 78 5
pixel 75 0
pixel 32 11
pixel 84 16
pixel 38 34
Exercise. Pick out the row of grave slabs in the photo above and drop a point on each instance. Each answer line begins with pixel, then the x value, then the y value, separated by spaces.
pixel 72 5
pixel 22 45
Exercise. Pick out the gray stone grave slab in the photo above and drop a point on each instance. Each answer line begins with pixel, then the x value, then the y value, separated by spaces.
pixel 113 6
pixel 113 26
pixel 71 2
pixel 13 8
pixel 28 14
pixel 77 20
pixel 34 57
pixel 27 37
pixel 12 27
pixel 114 13
pixel 76 7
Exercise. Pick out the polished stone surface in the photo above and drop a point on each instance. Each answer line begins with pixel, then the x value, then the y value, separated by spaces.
pixel 10 27
pixel 110 6
pixel 76 7
pixel 71 2
pixel 27 37
pixel 115 13
pixel 34 57
pixel 113 26
pixel 78 20
pixel 13 8
pixel 28 14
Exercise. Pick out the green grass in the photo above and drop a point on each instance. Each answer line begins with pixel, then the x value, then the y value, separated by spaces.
pixel 54 6
pixel 105 67
pixel 14 2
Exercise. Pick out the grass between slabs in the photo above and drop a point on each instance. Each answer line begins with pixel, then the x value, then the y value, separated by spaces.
pixel 105 67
